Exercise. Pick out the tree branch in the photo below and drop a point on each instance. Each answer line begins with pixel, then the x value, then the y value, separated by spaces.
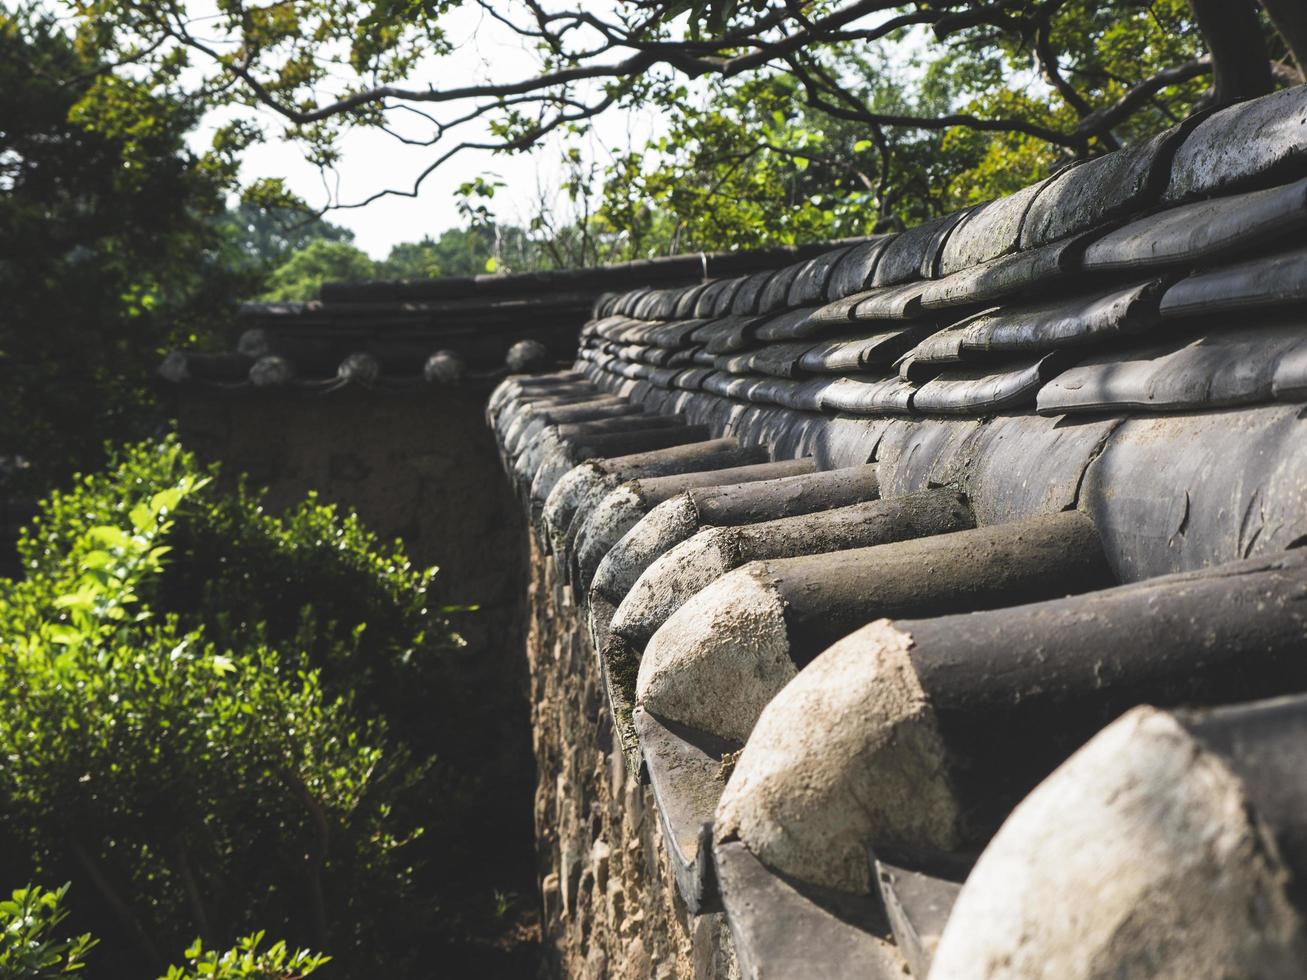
pixel 1103 119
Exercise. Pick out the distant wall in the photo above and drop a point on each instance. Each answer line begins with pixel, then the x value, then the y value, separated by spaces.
pixel 419 465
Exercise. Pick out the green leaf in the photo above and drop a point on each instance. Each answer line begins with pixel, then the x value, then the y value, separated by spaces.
pixel 109 536
pixel 166 501
pixel 142 518
pixel 63 634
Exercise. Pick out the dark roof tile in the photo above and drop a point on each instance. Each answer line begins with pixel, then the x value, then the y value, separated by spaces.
pixel 726 298
pixel 727 334
pixel 861 352
pixel 1259 283
pixel 889 303
pixel 988 231
pixel 688 301
pixel 1048 325
pixel 775 295
pixel 987 390
pixel 777 360
pixel 1243 144
pixel 913 254
pixel 705 304
pixel 859 396
pixel 1090 194
pixel 748 296
pixel 791 325
pixel 1220 368
pixel 1202 231
pixel 1004 277
pixel 810 284
pixel 853 272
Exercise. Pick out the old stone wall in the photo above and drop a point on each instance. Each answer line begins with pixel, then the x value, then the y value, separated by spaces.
pixel 422 466
pixel 611 908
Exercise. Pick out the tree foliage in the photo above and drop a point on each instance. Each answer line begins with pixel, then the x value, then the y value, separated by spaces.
pixel 1096 70
pixel 110 251
pixel 754 163
pixel 30 948
pixel 249 959
pixel 305 270
pixel 261 240
pixel 118 243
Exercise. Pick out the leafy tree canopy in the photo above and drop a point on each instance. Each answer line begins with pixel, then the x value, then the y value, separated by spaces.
pixel 784 121
pixel 111 251
pixel 1037 78
pixel 303 273
pixel 264 238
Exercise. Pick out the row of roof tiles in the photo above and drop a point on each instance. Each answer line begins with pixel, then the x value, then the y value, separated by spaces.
pixel 1104 287
pixel 401 334
pixel 254 366
pixel 1012 691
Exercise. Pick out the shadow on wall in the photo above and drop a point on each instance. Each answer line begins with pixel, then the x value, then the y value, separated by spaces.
pixel 422 466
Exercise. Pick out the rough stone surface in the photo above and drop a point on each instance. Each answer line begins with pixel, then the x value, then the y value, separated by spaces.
pixel 846 755
pixel 601 847
pixel 1138 858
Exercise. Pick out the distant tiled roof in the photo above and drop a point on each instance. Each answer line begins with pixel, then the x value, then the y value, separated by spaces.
pixel 907 523
pixel 406 334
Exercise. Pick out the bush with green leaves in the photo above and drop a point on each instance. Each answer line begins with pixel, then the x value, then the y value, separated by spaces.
pixel 313 579
pixel 195 717
pixel 246 961
pixel 29 949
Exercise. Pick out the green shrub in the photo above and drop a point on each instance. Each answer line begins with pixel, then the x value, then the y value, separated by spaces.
pixel 313 580
pixel 28 947
pixel 29 950
pixel 246 961
pixel 196 704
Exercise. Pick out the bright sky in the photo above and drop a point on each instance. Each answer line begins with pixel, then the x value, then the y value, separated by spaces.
pixel 373 160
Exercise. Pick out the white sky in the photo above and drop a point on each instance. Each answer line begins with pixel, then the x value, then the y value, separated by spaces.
pixel 372 160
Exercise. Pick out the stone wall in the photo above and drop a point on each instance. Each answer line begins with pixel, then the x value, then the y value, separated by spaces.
pixel 422 466
pixel 611 908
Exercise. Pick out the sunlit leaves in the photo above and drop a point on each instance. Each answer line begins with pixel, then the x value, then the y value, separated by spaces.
pixel 29 946
pixel 170 705
pixel 247 960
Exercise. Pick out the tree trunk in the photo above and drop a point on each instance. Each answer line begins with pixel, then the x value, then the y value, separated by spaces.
pixel 1241 67
pixel 1290 19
